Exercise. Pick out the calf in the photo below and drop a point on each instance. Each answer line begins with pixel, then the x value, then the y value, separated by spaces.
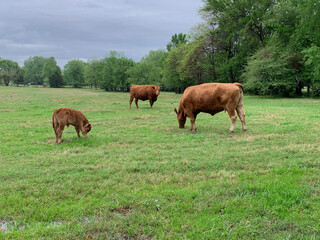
pixel 211 98
pixel 67 116
pixel 144 92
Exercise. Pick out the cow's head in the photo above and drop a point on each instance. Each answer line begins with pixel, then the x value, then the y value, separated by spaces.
pixel 87 127
pixel 156 89
pixel 181 118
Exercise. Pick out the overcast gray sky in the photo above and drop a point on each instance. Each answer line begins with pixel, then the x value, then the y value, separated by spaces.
pixel 82 29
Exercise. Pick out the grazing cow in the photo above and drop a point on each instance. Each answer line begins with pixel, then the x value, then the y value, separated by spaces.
pixel 144 92
pixel 211 98
pixel 68 116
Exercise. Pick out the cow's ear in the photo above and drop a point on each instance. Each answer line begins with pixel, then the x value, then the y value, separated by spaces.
pixel 153 87
pixel 175 110
pixel 160 87
pixel 88 125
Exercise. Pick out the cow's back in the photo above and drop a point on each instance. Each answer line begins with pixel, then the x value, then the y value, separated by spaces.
pixel 210 97
pixel 140 91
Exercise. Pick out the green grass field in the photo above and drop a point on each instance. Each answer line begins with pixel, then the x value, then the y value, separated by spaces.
pixel 138 176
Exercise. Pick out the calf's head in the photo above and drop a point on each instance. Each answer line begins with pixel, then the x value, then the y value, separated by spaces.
pixel 87 127
pixel 181 118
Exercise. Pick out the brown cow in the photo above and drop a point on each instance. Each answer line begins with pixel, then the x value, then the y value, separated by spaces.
pixel 144 92
pixel 211 98
pixel 68 116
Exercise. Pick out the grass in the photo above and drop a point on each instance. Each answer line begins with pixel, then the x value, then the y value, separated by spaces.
pixel 138 176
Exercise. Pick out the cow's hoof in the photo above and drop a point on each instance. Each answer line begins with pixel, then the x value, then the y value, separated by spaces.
pixel 244 130
pixel 232 131
pixel 194 132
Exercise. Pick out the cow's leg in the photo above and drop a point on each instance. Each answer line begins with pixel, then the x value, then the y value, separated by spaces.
pixel 233 118
pixel 241 115
pixel 59 133
pixel 136 101
pixel 151 102
pixel 130 101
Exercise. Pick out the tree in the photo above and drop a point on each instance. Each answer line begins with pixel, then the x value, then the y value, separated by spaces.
pixel 74 73
pixel 55 78
pixel 120 73
pixel 17 76
pixel 114 72
pixel 92 73
pixel 171 72
pixel 293 27
pixel 148 70
pixel 268 72
pixel 33 68
pixel 176 41
pixel 49 68
pixel 9 71
pixel 239 31
pixel 312 68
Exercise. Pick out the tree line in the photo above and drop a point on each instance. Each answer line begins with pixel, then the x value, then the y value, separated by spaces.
pixel 271 46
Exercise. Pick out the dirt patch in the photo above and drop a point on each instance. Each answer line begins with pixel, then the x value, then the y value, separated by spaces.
pixel 124 210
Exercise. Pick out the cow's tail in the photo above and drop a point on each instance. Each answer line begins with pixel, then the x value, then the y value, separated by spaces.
pixel 239 85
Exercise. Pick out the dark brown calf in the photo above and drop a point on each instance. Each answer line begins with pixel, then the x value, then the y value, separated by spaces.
pixel 67 116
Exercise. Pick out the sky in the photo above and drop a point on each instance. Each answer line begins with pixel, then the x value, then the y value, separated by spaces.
pixel 84 29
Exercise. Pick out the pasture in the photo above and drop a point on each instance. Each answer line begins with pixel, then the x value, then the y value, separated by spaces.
pixel 138 176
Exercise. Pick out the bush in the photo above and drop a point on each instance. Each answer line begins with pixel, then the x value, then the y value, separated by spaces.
pixel 268 72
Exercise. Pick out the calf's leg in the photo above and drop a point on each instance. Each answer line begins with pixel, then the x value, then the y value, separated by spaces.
pixel 55 127
pixel 59 133
pixel 136 101
pixel 241 115
pixel 78 131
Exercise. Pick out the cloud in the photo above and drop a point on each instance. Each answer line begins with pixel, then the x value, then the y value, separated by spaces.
pixel 82 29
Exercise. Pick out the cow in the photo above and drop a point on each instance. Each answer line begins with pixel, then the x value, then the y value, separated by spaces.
pixel 211 98
pixel 144 92
pixel 65 117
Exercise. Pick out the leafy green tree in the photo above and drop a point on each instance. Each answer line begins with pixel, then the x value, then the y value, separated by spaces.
pixel 312 67
pixel 239 32
pixel 73 73
pixel 194 65
pixel 55 78
pixel 93 73
pixel 176 41
pixel 293 27
pixel 33 68
pixel 17 76
pixel 120 73
pixel 149 70
pixel 114 72
pixel 49 68
pixel 9 71
pixel 171 73
pixel 268 72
